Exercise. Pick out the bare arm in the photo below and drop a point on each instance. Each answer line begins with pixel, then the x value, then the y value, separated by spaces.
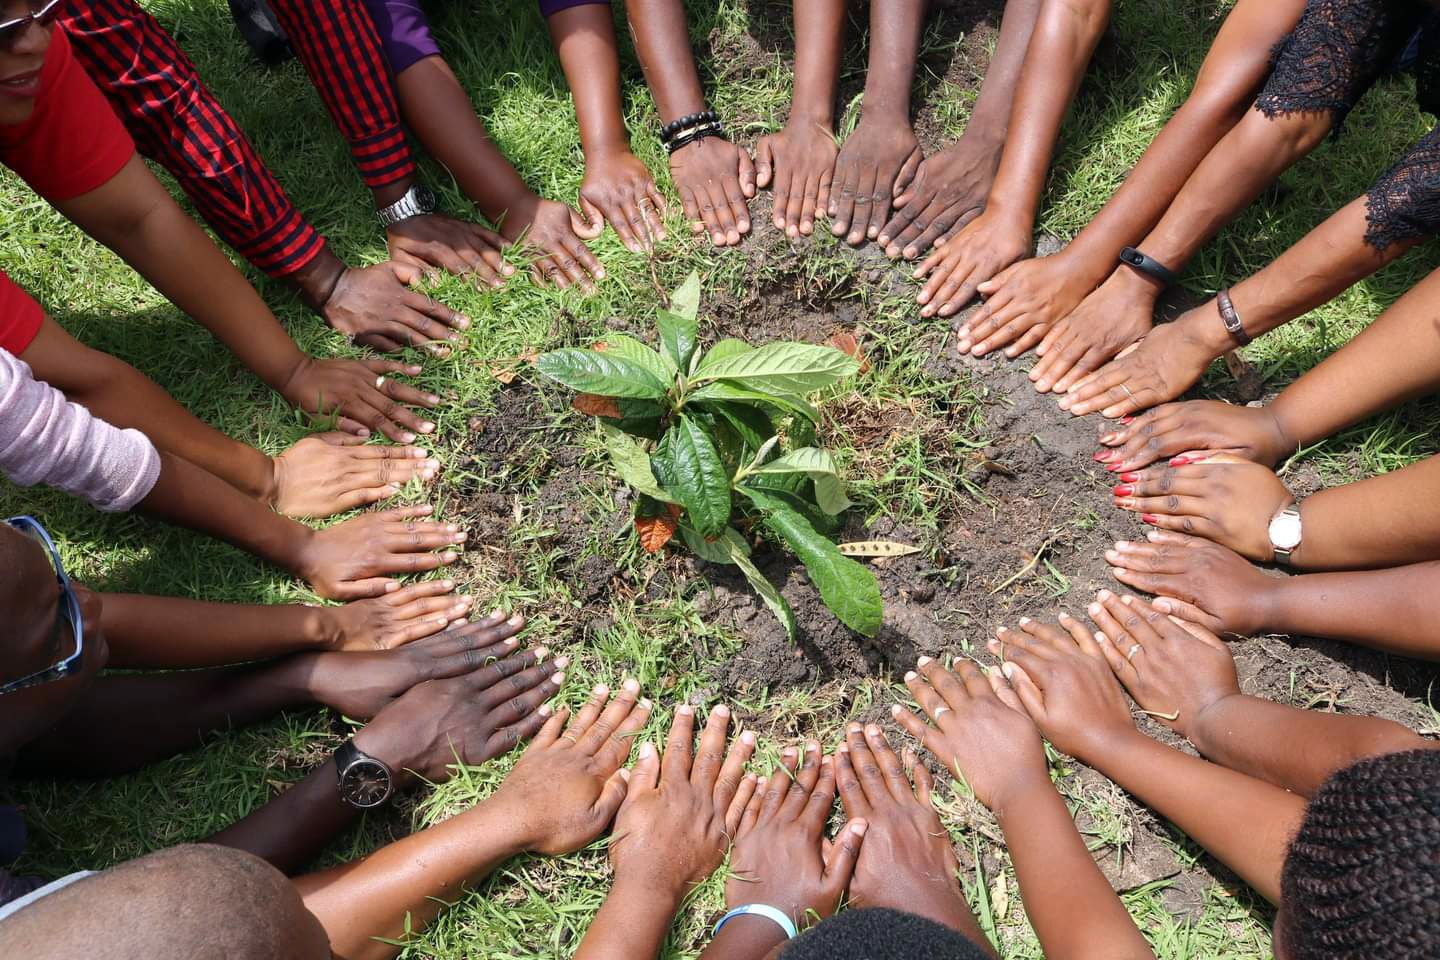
pixel 1387 520
pixel 1391 609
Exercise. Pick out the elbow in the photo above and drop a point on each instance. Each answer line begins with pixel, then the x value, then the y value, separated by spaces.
pixel 1388 737
pixel 1290 135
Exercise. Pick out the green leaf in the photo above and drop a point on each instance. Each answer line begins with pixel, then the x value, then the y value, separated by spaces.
pixel 636 351
pixel 632 463
pixel 767 590
pixel 607 375
pixel 750 423
pixel 685 301
pixel 820 467
pixel 726 390
pixel 789 368
pixel 677 334
pixel 848 588
pixel 715 551
pixel 723 350
pixel 699 477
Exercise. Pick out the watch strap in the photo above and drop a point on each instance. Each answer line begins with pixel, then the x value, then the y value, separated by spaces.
pixel 1282 554
pixel 1231 317
pixel 1149 266
pixel 409 205
pixel 346 756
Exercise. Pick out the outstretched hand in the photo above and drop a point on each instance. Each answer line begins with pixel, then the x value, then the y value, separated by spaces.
pixel 618 188
pixel 716 180
pixel 1113 317
pixel 433 241
pixel 875 165
pixel 1169 361
pixel 329 473
pixel 545 229
pixel 797 164
pixel 1194 430
pixel 956 268
pixel 1197 580
pixel 948 191
pixel 1023 303
pixel 362 394
pixel 376 307
pixel 356 559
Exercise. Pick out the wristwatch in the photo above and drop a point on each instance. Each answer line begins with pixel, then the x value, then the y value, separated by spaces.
pixel 417 201
pixel 1285 532
pixel 365 782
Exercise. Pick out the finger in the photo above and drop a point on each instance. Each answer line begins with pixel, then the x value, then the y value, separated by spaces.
pixel 914 726
pixel 809 200
pixel 1104 619
pixel 1049 638
pixel 889 763
pixel 490 246
pixel 654 219
pixel 778 785
pixel 585 719
pixel 1026 691
pixel 616 750
pixel 942 222
pixel 646 773
pixel 751 816
pixel 842 198
pixel 747 178
pixel 906 176
pixel 900 228
pixel 588 220
pixel 924 782
pixel 1079 635
pixel 739 208
pixel 607 724
pixel 520 694
pixel 820 799
pixel 763 165
pixel 508 738
pixel 544 271
pixel 716 211
pixel 823 192
pixel 588 262
pixel 629 223
pixel 1187 612
pixel 864 193
pixel 844 853
pixel 847 781
pixel 795 208
pixel 1003 691
pixel 805 779
pixel 691 204
pixel 1141 620
pixel 711 754
pixel 950 688
pixel 676 766
pixel 739 804
pixel 612 795
pixel 551 728
pixel 930 701
pixel 362 589
pixel 872 781
pixel 727 782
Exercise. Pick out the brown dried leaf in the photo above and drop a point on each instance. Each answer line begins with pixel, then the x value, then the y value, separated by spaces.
pixel 600 345
pixel 845 342
pixel 596 405
pixel 505 375
pixel 658 530
pixel 876 548
pixel 529 355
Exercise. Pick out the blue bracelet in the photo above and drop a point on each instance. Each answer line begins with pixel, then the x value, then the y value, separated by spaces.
pixel 760 910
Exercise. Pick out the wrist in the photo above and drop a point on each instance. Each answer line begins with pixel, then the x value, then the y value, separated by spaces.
pixel 316 281
pixel 1198 730
pixel 661 894
pixel 1285 438
pixel 751 934
pixel 1021 792
pixel 810 116
pixel 388 194
pixel 1203 328
pixel 323 628
pixel 395 748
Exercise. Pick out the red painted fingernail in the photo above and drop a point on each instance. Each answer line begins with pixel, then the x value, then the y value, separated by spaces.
pixel 1130 477
pixel 1127 420
pixel 1179 461
pixel 1123 489
pixel 1149 518
pixel 1104 455
pixel 1114 467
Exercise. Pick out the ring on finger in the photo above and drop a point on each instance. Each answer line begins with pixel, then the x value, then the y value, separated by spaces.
pixel 1134 649
pixel 939 712
pixel 380 382
pixel 1126 388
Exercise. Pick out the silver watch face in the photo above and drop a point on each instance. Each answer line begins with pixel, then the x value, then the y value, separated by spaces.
pixel 1285 531
pixel 365 783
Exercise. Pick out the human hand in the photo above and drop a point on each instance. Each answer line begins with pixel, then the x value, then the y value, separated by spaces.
pixel 565 789
pixel 907 862
pixel 781 857
pixel 680 812
pixel 353 559
pixel 1065 685
pixel 1116 315
pixel 360 685
pixel 413 612
pixel 949 190
pixel 546 229
pixel 1170 360
pixel 360 395
pixel 329 473
pixel 1222 498
pixel 980 732
pixel 1194 430
pixel 616 188
pixel 716 179
pixel 433 241
pixel 376 307
pixel 1022 303
pixel 957 266
pixel 1175 671
pixel 874 166
pixel 797 164
pixel 1198 581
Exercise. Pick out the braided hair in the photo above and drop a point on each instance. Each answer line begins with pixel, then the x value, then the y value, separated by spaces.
pixel 1362 877
pixel 879 933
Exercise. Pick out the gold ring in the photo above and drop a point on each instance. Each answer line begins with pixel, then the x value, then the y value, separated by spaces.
pixel 1134 649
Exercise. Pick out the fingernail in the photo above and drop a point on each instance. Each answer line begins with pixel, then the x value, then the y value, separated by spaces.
pixel 1104 456
pixel 1123 489
pixel 910 675
pixel 545 710
pixel 406 437
pixel 1127 420
pixel 558 678
pixel 872 731
pixel 1130 476
pixel 721 710
pixel 516 620
pixel 632 685
pixel 1093 609
pixel 1179 461
pixel 1007 668
pixel 647 750
pixel 1112 556
pixel 600 690
pixel 922 661
pixel 449 556
pixel 789 753
pixel 748 738
pixel 685 710
pixel 1113 468
pixel 562 662
pixel 391 586
pixel 1149 518
pixel 853 727
pixel 1101 639
pixel 812 746
pixel 645 703
pixel 1162 605
pixel 1104 594
pixel 896 710
pixel 1065 616
pixel 859 827
pixel 1024 621
pixel 1127 600
pixel 624 774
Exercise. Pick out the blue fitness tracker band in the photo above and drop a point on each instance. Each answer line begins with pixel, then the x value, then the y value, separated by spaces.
pixel 760 910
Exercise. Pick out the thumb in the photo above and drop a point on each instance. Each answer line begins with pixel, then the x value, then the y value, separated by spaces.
pixel 588 222
pixel 1029 694
pixel 646 773
pixel 764 159
pixel 406 273
pixel 612 795
pixel 747 173
pixel 843 854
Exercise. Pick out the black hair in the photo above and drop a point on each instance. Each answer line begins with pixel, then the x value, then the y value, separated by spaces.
pixel 877 933
pixel 1362 878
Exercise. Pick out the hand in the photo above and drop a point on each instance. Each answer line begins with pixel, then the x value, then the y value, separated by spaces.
pixel 949 190
pixel 546 230
pixel 797 164
pixel 907 862
pixel 1175 671
pixel 780 856
pixel 433 241
pixel 361 396
pixel 565 790
pixel 1117 315
pixel 1223 498
pixel 330 473
pixel 360 685
pixel 375 307
pixel 679 813
pixel 468 718
pixel 1193 431
pixel 1065 684
pixel 957 266
pixel 715 179
pixel 1198 581
pixel 981 732
pixel 353 559
pixel 876 165
pixel 1169 361
pixel 617 187
pixel 1022 303
pixel 413 612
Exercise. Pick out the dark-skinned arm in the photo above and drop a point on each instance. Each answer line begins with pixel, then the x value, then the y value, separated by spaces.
pixel 1384 521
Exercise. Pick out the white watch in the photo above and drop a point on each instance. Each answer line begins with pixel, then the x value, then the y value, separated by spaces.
pixel 418 200
pixel 1285 532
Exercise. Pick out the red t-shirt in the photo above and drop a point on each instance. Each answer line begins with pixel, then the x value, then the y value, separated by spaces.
pixel 72 143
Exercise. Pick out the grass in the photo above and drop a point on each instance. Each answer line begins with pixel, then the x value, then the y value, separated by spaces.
pixel 914 475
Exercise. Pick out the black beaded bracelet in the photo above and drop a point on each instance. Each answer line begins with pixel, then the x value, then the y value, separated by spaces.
pixel 689 136
pixel 668 132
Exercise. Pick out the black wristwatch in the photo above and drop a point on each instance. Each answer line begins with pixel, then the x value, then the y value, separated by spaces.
pixel 365 783
pixel 1149 266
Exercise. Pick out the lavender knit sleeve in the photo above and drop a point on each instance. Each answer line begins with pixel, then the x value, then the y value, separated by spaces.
pixel 45 438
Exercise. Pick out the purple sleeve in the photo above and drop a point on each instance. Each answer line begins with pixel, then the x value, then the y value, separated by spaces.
pixel 45 438
pixel 552 7
pixel 404 32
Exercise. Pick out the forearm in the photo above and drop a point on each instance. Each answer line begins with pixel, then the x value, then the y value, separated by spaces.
pixel 631 924
pixel 819 34
pixel 1294 749
pixel 894 44
pixel 662 42
pixel 1392 609
pixel 402 887
pixel 294 827
pixel 1068 900
pixel 990 120
pixel 160 632
pixel 584 37
pixel 1243 822
pixel 1064 38
pixel 188 496
pixel 1384 521
pixel 440 114
pixel 748 937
